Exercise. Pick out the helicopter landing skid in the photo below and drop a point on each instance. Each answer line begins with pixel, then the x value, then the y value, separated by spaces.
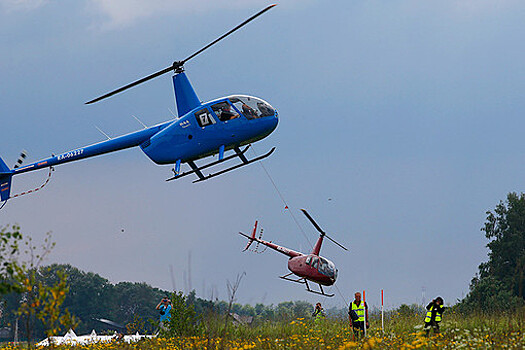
pixel 238 153
pixel 303 280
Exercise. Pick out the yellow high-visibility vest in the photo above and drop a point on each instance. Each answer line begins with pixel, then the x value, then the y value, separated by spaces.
pixel 319 315
pixel 429 315
pixel 359 310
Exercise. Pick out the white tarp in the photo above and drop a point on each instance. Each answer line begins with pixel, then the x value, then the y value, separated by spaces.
pixel 71 338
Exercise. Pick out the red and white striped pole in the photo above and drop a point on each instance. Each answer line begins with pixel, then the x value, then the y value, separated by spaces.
pixel 382 313
pixel 364 305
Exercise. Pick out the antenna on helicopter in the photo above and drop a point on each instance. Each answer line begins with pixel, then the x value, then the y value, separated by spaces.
pixel 177 66
pixel 102 132
pixel 173 114
pixel 141 123
pixel 319 228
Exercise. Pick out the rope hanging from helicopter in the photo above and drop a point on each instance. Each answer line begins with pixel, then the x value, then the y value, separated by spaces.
pixel 286 206
pixel 51 169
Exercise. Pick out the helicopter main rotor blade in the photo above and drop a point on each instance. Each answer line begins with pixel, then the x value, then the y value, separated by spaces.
pixel 137 82
pixel 313 222
pixel 228 33
pixel 320 230
pixel 178 64
pixel 340 245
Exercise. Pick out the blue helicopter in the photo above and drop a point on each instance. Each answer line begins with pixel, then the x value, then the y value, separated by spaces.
pixel 201 130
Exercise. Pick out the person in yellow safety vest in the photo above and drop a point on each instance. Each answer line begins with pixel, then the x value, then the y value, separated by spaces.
pixel 434 315
pixel 357 311
pixel 319 313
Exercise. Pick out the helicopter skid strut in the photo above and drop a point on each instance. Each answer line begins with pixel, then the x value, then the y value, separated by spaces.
pixel 238 153
pixel 303 280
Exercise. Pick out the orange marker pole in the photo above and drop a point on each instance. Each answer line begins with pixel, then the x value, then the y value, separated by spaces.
pixel 364 303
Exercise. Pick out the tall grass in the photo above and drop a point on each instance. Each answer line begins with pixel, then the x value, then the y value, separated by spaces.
pixel 459 331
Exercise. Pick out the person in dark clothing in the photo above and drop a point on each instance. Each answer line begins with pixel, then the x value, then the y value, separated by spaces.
pixel 318 313
pixel 434 315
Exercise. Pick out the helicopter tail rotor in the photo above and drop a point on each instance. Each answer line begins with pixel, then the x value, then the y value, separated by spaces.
pixel 250 238
pixel 318 228
pixel 177 66
pixel 21 158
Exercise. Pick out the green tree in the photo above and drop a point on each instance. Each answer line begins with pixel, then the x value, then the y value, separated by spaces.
pixel 33 302
pixel 405 310
pixel 135 302
pixel 183 320
pixel 505 228
pixel 48 303
pixel 90 296
pixel 490 295
pixel 10 270
pixel 500 283
pixel 302 309
pixel 285 310
pixel 42 302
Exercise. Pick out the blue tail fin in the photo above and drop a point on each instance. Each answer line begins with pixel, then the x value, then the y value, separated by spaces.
pixel 5 181
pixel 3 167
pixel 185 96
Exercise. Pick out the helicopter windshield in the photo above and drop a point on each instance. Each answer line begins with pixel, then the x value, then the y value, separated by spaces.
pixel 326 267
pixel 252 107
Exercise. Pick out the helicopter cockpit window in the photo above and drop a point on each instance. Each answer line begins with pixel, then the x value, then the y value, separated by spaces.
pixel 224 111
pixel 204 118
pixel 252 107
pixel 315 261
pixel 326 267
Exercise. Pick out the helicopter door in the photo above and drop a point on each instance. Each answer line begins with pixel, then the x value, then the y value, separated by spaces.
pixel 224 111
pixel 204 118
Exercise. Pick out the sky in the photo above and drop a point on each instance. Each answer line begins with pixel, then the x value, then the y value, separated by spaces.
pixel 400 125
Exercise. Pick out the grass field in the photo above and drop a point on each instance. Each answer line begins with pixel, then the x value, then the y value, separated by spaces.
pixel 402 332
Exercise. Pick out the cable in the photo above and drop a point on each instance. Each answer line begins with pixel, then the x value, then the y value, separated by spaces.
pixel 51 169
pixel 282 199
pixel 341 295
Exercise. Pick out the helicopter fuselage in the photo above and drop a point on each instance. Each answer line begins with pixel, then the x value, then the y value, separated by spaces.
pixel 181 138
pixel 201 132
pixel 314 268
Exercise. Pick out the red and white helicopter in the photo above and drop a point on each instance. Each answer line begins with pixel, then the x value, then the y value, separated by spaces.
pixel 308 267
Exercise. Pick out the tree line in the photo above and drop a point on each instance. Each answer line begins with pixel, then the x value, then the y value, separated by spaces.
pixel 91 297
